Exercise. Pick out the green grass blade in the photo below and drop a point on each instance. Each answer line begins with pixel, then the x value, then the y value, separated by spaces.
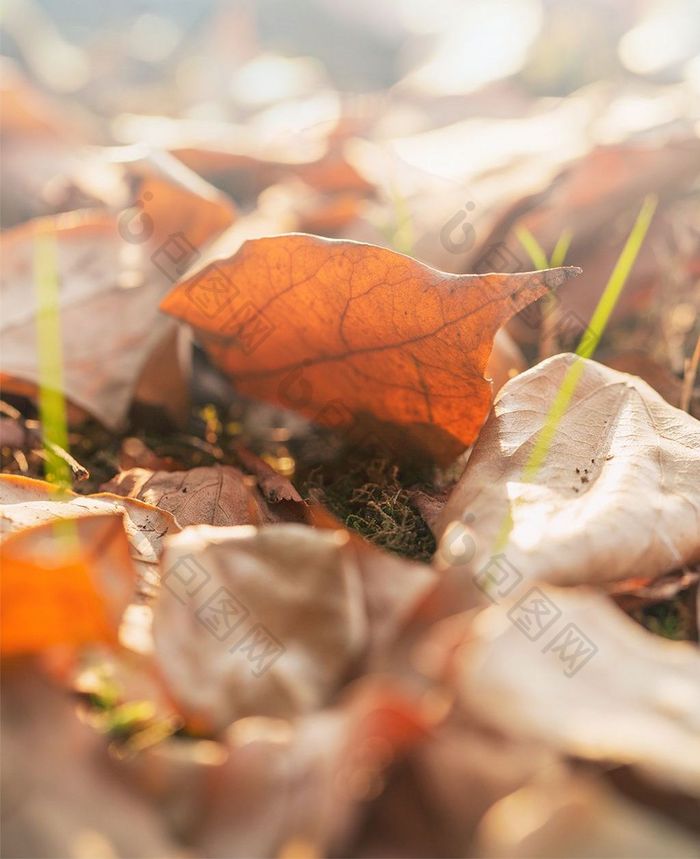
pixel 52 404
pixel 532 248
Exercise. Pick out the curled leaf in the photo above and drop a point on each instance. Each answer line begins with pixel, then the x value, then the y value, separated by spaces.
pixel 109 267
pixel 25 502
pixel 272 621
pixel 63 794
pixel 611 493
pixel 569 670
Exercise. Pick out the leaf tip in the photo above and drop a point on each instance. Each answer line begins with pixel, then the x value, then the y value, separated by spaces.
pixel 555 277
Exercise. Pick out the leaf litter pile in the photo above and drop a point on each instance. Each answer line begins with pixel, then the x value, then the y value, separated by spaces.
pixel 350 501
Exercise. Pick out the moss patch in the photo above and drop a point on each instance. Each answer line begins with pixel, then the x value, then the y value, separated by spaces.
pixel 369 497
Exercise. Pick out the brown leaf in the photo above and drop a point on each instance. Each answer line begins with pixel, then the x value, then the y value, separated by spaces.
pixel 343 332
pixel 597 198
pixel 62 795
pixel 42 141
pixel 244 162
pixel 112 268
pixel 219 495
pixel 273 621
pixel 274 786
pixel 617 495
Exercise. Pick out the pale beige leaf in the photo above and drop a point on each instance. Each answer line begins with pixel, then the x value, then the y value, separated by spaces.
pixel 275 787
pixel 591 683
pixel 102 283
pixel 273 621
pixel 62 795
pixel 617 494
pixel 25 502
pixel 578 817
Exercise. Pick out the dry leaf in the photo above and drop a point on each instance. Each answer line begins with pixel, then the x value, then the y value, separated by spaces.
pixel 66 582
pixel 568 669
pixel 436 796
pixel 273 786
pixel 617 495
pixel 596 198
pixel 273 485
pixel 41 141
pixel 101 280
pixel 111 270
pixel 25 502
pixel 343 331
pixel 272 621
pixel 62 795
pixel 219 495
pixel 578 817
pixel 243 161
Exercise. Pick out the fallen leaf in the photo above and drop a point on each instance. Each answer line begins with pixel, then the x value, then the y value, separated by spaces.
pixel 245 162
pixel 578 816
pixel 42 141
pixel 583 679
pixel 62 794
pixel 25 502
pixel 435 796
pixel 66 582
pixel 219 495
pixel 346 332
pixel 273 786
pixel 273 621
pixel 596 198
pixel 110 268
pixel 616 496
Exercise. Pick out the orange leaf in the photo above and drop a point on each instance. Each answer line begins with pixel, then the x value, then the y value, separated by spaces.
pixel 64 582
pixel 349 333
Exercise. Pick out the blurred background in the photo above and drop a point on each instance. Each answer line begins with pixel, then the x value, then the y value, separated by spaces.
pixel 452 130
pixel 474 135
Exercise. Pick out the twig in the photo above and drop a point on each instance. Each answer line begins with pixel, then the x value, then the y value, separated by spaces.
pixel 689 375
